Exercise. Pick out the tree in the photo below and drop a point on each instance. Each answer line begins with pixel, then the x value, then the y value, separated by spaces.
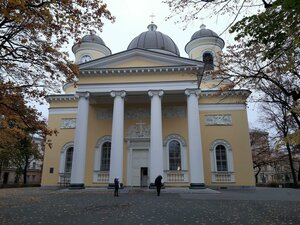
pixel 261 152
pixel 17 118
pixel 278 118
pixel 25 150
pixel 265 59
pixel 268 62
pixel 189 10
pixel 32 35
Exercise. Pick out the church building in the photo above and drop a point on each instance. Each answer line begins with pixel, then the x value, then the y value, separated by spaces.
pixel 147 111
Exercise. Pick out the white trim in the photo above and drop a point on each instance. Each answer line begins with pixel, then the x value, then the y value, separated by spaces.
pixel 128 87
pixel 183 152
pixel 63 97
pixel 132 145
pixel 229 156
pixel 63 151
pixel 222 107
pixel 98 151
pixel 178 137
pixel 98 155
pixel 204 41
pixel 132 70
pixel 54 111
pixel 140 53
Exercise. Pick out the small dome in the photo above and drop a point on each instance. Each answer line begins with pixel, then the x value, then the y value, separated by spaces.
pixel 93 38
pixel 202 36
pixel 203 32
pixel 154 40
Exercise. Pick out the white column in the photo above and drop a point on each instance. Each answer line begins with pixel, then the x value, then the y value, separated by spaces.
pixel 156 142
pixel 117 139
pixel 81 131
pixel 195 145
pixel 96 164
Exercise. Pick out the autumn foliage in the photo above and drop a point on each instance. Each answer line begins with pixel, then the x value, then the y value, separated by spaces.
pixel 32 63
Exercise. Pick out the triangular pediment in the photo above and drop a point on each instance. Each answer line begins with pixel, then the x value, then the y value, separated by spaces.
pixel 139 58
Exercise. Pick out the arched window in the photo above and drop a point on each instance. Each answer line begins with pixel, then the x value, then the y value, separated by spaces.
pixel 174 155
pixel 208 60
pixel 105 156
pixel 69 159
pixel 221 158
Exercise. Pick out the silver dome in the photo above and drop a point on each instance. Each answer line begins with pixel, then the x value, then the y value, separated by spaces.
pixel 90 38
pixel 154 40
pixel 203 32
pixel 93 38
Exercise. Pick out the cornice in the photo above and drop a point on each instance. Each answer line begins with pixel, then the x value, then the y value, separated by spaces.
pixel 245 93
pixel 52 98
pixel 131 70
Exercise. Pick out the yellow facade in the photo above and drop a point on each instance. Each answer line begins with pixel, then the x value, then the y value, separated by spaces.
pixel 146 112
pixel 236 133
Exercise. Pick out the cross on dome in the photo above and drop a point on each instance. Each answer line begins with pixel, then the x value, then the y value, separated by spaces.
pixel 152 18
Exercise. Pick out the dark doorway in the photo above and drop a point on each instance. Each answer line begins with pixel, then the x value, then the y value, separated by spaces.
pixel 144 176
pixel 5 177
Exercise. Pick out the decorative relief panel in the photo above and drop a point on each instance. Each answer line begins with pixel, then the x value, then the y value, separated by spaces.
pixel 104 114
pixel 68 123
pixel 218 120
pixel 142 113
pixel 137 113
pixel 139 130
pixel 174 112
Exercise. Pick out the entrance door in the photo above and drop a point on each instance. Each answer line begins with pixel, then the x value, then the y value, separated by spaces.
pixel 144 176
pixel 5 177
pixel 139 171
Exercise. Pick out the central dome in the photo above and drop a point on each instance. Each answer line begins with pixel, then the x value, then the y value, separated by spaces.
pixel 154 40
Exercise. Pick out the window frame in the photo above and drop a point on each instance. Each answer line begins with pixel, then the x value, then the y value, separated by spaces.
pixel 183 151
pixel 212 64
pixel 221 162
pixel 107 160
pixel 63 154
pixel 229 155
pixel 174 158
pixel 98 152
pixel 68 163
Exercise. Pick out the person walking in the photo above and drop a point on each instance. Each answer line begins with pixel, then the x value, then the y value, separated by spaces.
pixel 116 186
pixel 158 184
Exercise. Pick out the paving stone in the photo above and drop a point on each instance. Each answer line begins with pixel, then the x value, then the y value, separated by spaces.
pixel 142 206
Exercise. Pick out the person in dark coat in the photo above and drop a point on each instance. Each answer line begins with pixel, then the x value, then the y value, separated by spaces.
pixel 117 184
pixel 158 184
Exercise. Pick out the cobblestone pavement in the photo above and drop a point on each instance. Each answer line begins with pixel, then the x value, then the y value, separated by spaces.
pixel 142 206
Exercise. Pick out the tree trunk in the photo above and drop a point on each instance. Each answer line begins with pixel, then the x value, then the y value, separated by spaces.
pixel 256 175
pixel 299 172
pixel 1 163
pixel 25 170
pixel 292 165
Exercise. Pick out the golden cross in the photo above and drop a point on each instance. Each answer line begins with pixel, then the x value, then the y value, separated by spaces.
pixel 152 17
pixel 202 19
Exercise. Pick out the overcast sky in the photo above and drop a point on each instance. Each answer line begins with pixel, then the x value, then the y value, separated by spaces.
pixel 133 17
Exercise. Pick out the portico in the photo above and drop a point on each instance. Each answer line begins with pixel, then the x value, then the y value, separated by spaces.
pixel 143 142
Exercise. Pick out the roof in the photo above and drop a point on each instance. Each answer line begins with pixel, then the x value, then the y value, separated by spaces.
pixel 154 40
